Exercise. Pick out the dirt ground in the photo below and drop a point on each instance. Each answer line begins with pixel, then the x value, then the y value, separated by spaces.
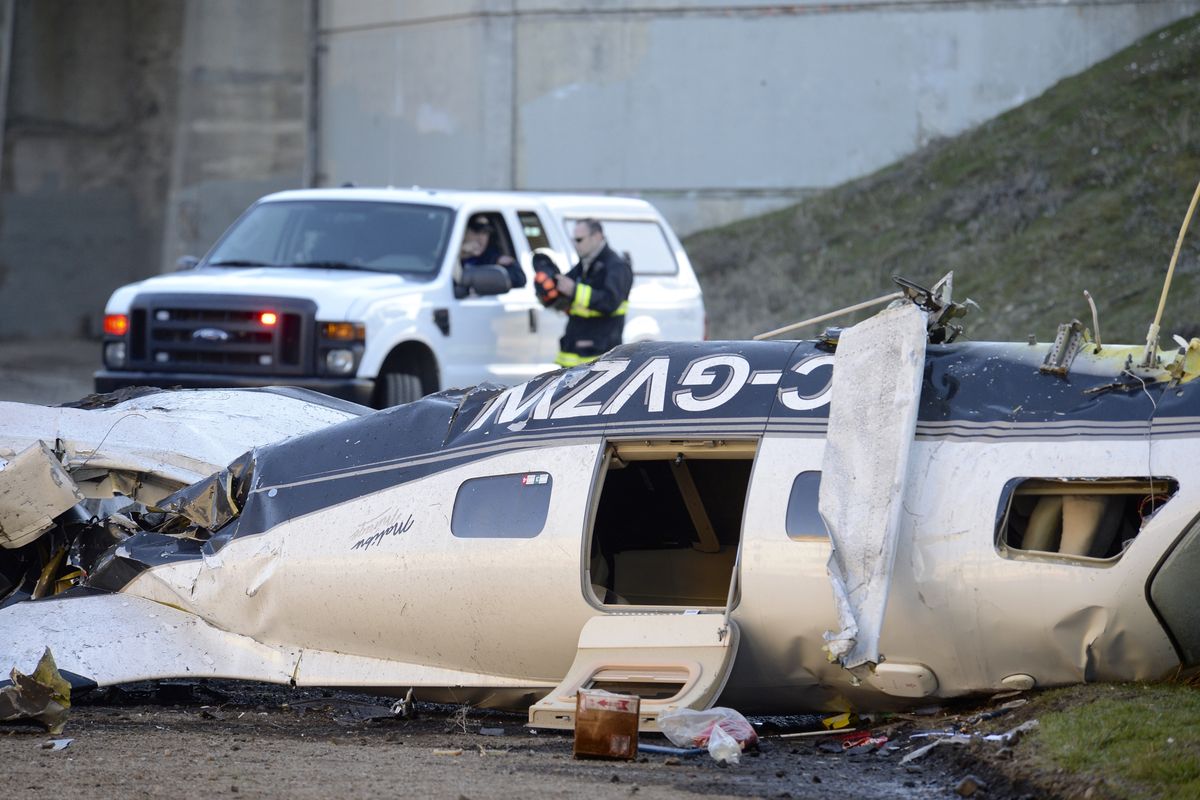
pixel 184 740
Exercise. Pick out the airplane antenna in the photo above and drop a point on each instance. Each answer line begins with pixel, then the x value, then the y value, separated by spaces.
pixel 1095 317
pixel 1152 333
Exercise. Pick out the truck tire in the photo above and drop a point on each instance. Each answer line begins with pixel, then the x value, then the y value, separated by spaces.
pixel 400 388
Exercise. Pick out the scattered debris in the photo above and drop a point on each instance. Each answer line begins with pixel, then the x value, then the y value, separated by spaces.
pixel 969 785
pixel 56 744
pixel 43 697
pixel 457 751
pixel 952 736
pixel 723 731
pixel 606 725
pixel 816 733
pixel 839 721
pixel 643 747
pixel 488 751
pixel 491 731
pixel 36 489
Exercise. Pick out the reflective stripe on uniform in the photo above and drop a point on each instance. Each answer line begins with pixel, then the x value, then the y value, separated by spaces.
pixel 581 301
pixel 587 313
pixel 566 359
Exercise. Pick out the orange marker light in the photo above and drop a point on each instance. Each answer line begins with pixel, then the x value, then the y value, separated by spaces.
pixel 268 318
pixel 116 324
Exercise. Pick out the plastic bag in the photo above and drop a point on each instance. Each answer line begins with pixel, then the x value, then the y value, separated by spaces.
pixel 725 732
pixel 723 747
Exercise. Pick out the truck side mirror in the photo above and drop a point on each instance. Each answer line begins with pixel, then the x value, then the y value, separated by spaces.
pixel 487 279
pixel 186 262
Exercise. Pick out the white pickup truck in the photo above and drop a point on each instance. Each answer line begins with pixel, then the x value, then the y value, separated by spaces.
pixel 359 293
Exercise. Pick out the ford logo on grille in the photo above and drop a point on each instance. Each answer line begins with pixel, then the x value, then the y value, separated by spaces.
pixel 210 334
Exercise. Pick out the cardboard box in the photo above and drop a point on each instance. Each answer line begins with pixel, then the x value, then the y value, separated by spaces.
pixel 606 725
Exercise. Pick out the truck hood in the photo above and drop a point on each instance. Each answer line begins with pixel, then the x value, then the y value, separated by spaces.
pixel 336 292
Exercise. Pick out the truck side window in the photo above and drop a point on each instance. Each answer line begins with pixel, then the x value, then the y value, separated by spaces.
pixel 486 239
pixel 643 243
pixel 535 232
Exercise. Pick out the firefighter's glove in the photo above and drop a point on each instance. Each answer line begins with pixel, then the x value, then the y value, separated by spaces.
pixel 546 288
pixel 566 293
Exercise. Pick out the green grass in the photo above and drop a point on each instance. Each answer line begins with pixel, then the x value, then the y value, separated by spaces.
pixel 1143 741
pixel 1082 188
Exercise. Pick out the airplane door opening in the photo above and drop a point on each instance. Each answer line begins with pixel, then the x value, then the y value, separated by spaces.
pixel 668 523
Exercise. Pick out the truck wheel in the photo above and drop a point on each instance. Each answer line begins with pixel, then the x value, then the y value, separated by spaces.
pixel 400 388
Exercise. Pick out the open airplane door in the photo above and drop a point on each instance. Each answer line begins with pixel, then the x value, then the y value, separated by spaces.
pixel 670 660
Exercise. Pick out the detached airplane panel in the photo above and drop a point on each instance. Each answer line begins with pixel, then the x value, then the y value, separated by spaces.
pixel 872 416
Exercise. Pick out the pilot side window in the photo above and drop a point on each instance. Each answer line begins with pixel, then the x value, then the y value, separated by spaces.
pixel 502 506
pixel 1080 519
pixel 803 521
pixel 668 523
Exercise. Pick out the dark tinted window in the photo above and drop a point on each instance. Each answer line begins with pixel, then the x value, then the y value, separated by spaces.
pixel 803 519
pixel 502 506
pixel 383 237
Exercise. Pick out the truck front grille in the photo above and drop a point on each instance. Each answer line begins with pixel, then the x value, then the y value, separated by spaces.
pixel 222 334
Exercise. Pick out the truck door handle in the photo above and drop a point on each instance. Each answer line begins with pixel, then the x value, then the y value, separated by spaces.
pixel 532 320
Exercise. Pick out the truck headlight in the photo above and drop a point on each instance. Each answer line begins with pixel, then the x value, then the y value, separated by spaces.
pixel 339 361
pixel 115 355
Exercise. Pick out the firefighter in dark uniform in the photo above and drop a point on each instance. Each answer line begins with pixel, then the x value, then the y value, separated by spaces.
pixel 594 295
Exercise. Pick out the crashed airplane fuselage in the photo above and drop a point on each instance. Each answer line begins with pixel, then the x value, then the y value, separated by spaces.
pixel 649 523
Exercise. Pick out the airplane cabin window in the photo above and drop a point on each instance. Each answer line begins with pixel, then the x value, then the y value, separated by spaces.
pixel 803 521
pixel 1080 519
pixel 502 506
pixel 668 523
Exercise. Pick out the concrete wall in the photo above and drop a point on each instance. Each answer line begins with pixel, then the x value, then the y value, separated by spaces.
pixel 714 110
pixel 84 169
pixel 241 124
pixel 135 132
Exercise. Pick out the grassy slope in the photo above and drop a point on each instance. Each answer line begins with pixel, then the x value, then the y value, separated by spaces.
pixel 1131 741
pixel 1082 188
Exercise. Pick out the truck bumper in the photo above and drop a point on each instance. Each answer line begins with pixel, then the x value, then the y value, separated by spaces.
pixel 357 390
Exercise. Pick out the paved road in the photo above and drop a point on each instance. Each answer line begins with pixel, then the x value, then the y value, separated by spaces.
pixel 47 371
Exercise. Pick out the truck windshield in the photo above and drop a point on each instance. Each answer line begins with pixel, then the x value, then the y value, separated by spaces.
pixel 375 236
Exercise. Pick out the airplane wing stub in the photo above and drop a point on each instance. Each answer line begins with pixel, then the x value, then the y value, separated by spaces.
pixel 872 421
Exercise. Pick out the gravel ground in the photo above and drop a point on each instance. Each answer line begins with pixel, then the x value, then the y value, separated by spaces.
pixel 223 739
pixel 47 371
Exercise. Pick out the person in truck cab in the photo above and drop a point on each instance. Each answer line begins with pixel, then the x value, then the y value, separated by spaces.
pixel 480 248
pixel 594 295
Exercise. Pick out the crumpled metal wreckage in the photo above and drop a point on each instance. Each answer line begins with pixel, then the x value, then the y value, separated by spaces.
pixel 42 697
pixel 870 520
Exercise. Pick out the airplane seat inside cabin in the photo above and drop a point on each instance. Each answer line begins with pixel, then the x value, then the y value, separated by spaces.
pixel 1044 531
pixel 1086 518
